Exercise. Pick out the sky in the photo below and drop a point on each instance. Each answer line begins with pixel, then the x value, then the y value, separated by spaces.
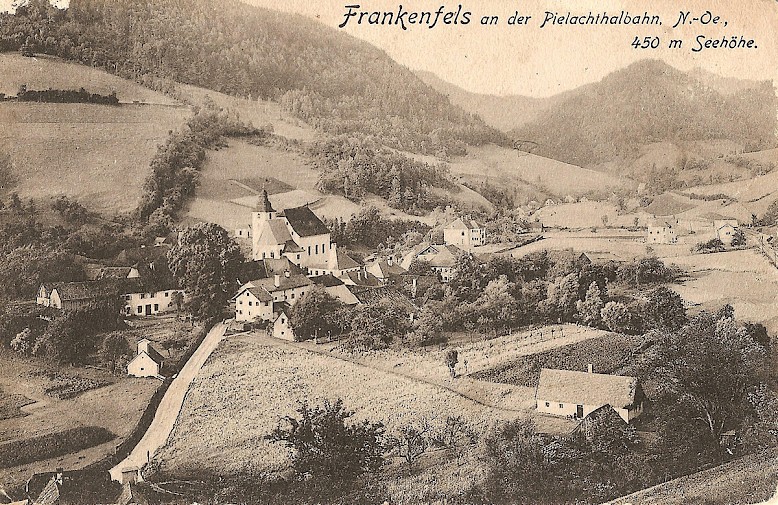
pixel 526 60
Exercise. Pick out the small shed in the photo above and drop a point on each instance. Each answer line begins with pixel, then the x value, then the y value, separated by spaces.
pixel 147 363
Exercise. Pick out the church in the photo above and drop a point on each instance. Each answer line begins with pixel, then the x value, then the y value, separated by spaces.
pixel 296 234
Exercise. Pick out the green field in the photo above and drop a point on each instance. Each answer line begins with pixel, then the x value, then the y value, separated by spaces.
pixel 250 382
pixel 96 154
pixel 44 72
pixel 499 164
pixel 606 354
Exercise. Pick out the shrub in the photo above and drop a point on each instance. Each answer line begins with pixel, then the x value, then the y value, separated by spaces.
pixel 52 445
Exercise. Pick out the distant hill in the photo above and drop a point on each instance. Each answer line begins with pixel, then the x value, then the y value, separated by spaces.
pixel 502 112
pixel 646 103
pixel 331 80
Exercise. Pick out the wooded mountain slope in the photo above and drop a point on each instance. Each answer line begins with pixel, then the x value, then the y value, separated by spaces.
pixel 332 80
pixel 645 103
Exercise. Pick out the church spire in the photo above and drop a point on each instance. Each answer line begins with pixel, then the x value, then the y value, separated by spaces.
pixel 263 205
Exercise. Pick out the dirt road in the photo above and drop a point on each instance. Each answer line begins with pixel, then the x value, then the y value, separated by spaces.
pixel 167 413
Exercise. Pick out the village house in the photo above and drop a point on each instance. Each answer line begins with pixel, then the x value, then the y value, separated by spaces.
pixel 254 300
pixel 465 233
pixel 661 232
pixel 280 327
pixel 147 363
pixel 577 394
pixel 385 270
pixel 725 230
pixel 441 258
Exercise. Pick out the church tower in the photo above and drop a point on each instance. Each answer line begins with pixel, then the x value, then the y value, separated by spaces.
pixel 260 217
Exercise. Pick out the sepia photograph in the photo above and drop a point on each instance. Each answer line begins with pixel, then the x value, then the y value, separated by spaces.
pixel 384 253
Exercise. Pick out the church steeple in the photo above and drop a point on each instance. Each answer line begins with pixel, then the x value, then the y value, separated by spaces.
pixel 263 204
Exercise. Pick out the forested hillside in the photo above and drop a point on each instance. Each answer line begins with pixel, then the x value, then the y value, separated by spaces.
pixel 333 81
pixel 650 102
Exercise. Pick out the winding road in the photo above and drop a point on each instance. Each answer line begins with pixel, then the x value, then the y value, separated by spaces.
pixel 170 406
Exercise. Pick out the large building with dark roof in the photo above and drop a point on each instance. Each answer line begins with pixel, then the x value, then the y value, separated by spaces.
pixel 298 235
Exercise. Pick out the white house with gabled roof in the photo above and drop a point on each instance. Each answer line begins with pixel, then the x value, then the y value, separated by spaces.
pixel 465 233
pixel 576 394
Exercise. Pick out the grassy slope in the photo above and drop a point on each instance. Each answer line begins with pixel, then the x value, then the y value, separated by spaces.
pixel 751 479
pixel 43 72
pixel 96 154
pixel 251 382
pixel 500 164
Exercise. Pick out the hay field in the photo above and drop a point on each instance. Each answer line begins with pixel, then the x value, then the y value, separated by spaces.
pixel 44 72
pixel 96 154
pixel 560 178
pixel 744 279
pixel 257 112
pixel 250 382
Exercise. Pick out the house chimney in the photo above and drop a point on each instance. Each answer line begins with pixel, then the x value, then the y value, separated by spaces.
pixel 390 261
pixel 60 476
pixel 591 368
pixel 287 273
pixel 277 280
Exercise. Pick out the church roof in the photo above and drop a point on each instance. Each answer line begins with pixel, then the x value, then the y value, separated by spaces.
pixel 304 222
pixel 273 232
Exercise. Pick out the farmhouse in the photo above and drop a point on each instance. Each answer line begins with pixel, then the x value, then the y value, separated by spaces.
pixel 254 300
pixel 442 259
pixel 725 230
pixel 661 232
pixel 280 327
pixel 72 295
pixel 385 269
pixel 147 363
pixel 465 233
pixel 578 394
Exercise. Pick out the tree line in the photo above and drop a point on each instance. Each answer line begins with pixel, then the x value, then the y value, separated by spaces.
pixel 65 96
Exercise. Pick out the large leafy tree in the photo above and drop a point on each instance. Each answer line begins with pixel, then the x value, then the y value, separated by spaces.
pixel 205 262
pixel 316 314
pixel 329 449
pixel 25 268
pixel 711 369
pixel 664 309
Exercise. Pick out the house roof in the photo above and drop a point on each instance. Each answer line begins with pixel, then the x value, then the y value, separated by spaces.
pixel 369 295
pixel 327 280
pixel 342 261
pixel 86 290
pixel 584 388
pixel 291 247
pixel 153 353
pixel 263 204
pixel 114 272
pixel 284 283
pixel 441 255
pixel 721 223
pixel 273 232
pixel 360 278
pixel 384 269
pixel 342 293
pixel 260 294
pixel 304 222
pixel 464 224
pixel 50 494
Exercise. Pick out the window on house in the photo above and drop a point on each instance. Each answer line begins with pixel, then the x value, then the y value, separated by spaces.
pixel 267 304
pixel 561 405
pixel 156 307
pixel 292 296
pixel 127 297
pixel 250 303
pixel 140 309
pixel 272 255
pixel 143 295
pixel 317 248
pixel 309 250
pixel 547 404
pixel 167 294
